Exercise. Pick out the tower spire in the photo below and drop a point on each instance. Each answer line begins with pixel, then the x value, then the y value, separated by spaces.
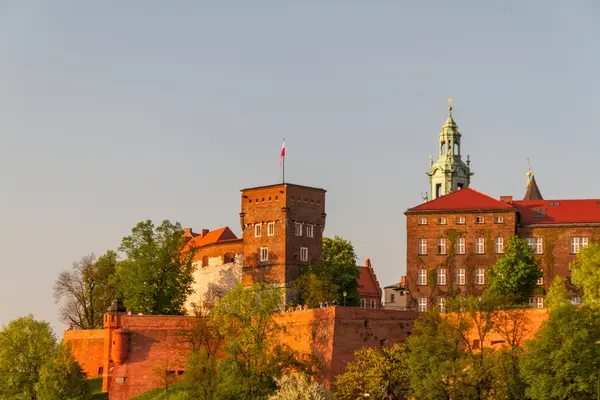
pixel 533 191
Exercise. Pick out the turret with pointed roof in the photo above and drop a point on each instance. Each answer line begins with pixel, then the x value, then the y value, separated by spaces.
pixel 533 191
pixel 449 173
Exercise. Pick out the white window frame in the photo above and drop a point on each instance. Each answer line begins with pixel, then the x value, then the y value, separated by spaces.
pixel 298 228
pixel 540 281
pixel 536 244
pixel 498 245
pixel 422 304
pixel 303 253
pixel 442 221
pixel 422 246
pixel 271 229
pixel 441 304
pixel 392 297
pixel 310 230
pixel 422 221
pixel 461 276
pixel 264 254
pixel 441 276
pixel 257 230
pixel 441 246
pixel 499 219
pixel 577 243
pixel 480 245
pixel 461 245
pixel 461 220
pixel 422 277
pixel 480 276
pixel 480 219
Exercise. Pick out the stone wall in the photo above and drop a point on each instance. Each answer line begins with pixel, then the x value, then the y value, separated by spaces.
pixel 87 347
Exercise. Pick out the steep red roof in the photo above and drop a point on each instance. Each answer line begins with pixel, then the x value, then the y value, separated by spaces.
pixel 211 237
pixel 558 211
pixel 368 285
pixel 464 199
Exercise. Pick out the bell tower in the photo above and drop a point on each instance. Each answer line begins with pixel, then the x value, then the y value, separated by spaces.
pixel 449 173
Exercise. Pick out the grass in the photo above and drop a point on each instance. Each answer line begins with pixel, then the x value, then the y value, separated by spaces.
pixel 158 394
pixel 95 385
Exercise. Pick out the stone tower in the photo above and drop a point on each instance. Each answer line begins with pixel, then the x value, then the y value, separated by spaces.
pixel 449 173
pixel 282 228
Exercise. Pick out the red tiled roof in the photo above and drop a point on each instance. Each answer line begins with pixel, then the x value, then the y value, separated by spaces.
pixel 558 211
pixel 464 199
pixel 367 283
pixel 211 237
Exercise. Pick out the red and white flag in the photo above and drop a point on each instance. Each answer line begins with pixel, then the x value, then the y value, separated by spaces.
pixel 282 153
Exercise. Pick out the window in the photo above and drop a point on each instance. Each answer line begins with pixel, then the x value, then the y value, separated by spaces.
pixel 271 228
pixel 499 219
pixel 422 246
pixel 536 302
pixel 441 221
pixel 441 276
pixel 536 244
pixel 205 261
pixel 257 230
pixel 363 303
pixel 303 253
pixel 576 300
pixel 540 280
pixel 298 227
pixel 479 219
pixel 441 246
pixel 392 298
pixel 372 303
pixel 577 243
pixel 460 220
pixel 264 254
pixel 461 246
pixel 441 304
pixel 480 245
pixel 422 302
pixel 499 245
pixel 422 278
pixel 479 276
pixel 422 221
pixel 310 230
pixel 460 276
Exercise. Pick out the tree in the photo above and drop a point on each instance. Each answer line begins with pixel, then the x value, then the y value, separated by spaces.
pixel 586 274
pixel 61 377
pixel 336 274
pixel 25 346
pixel 300 387
pixel 156 277
pixel 515 274
pixel 377 373
pixel 563 359
pixel 558 294
pixel 86 290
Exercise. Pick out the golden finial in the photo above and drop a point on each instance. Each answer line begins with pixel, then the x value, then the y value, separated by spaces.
pixel 449 104
pixel 529 171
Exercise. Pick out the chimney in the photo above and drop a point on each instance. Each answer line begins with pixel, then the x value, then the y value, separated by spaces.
pixel 403 281
pixel 506 199
pixel 187 232
pixel 204 232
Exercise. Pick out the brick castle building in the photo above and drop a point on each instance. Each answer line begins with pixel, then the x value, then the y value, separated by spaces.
pixel 455 238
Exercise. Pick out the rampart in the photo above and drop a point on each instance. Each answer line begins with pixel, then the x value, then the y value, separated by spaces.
pixel 87 347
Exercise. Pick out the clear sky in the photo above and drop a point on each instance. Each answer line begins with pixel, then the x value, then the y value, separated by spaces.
pixel 112 112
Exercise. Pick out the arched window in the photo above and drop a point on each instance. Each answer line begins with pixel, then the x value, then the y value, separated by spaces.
pixel 443 147
pixel 205 261
pixel 456 150
pixel 228 258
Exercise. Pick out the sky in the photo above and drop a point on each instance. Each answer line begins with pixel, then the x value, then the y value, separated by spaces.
pixel 113 112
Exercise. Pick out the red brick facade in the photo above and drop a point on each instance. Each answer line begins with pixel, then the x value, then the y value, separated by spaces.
pixel 88 348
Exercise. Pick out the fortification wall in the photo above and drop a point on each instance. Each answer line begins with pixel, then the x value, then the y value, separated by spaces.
pixel 87 347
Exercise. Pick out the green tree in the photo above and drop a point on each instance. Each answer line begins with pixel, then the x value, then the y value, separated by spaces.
pixel 61 377
pixel 586 274
pixel 563 359
pixel 377 373
pixel 86 290
pixel 515 274
pixel 25 346
pixel 337 273
pixel 156 277
pixel 300 387
pixel 558 294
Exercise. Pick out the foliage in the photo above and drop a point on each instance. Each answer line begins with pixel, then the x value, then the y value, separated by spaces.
pixel 156 278
pixel 508 384
pixel 25 346
pixel 563 360
pixel 375 372
pixel 337 273
pixel 61 377
pixel 586 274
pixel 86 290
pixel 300 387
pixel 515 273
pixel 558 294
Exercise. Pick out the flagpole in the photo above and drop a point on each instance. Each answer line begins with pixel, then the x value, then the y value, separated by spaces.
pixel 283 171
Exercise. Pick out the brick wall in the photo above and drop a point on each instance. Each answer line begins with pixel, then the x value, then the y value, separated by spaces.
pixel 470 261
pixel 87 347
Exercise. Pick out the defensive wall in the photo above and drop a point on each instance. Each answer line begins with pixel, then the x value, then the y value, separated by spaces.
pixel 87 347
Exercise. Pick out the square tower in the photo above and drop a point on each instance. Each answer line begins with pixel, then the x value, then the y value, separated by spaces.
pixel 282 227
